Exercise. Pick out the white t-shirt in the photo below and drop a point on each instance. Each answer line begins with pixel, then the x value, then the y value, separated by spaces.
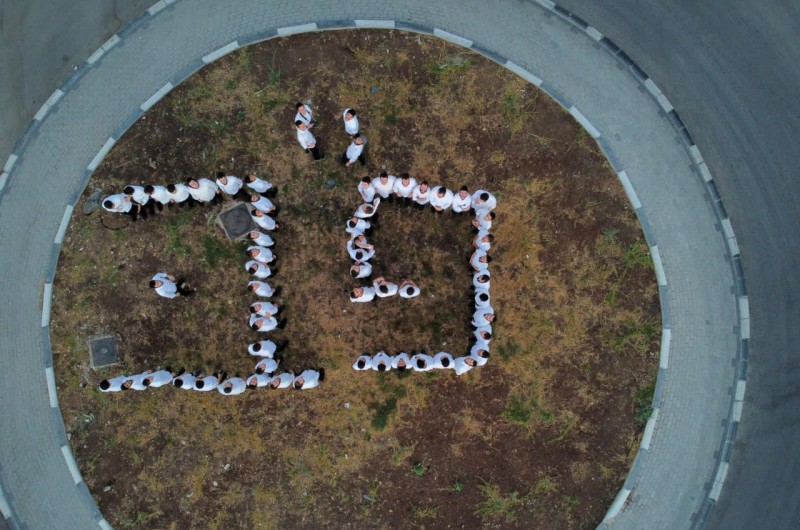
pixel 401 357
pixel 267 308
pixel 139 195
pixel 264 254
pixel 367 363
pixel 232 186
pixel 480 304
pixel 184 381
pixel 160 194
pixel 232 386
pixel 286 379
pixel 404 291
pixel 426 362
pixel 260 380
pixel 205 190
pixel 462 204
pixel 262 288
pixel 121 203
pixel 479 318
pixel 384 189
pixel 367 296
pixel 404 190
pixel 264 221
pixel 168 289
pixel 263 204
pixel 268 365
pixel 181 193
pixel 489 204
pixel 267 348
pixel 419 196
pixel 392 289
pixel 475 260
pixel 160 378
pixel 481 329
pixel 262 271
pixel 460 366
pixel 138 381
pixel 310 379
pixel 267 323
pixel 358 228
pixel 354 150
pixel 482 245
pixel 443 361
pixel 480 361
pixel 263 240
pixel 307 119
pixel 351 125
pixel 115 384
pixel 259 185
pixel 367 191
pixel 381 360
pixel 208 383
pixel 441 202
pixel 482 221
pixel 361 211
pixel 364 271
pixel 478 285
pixel 306 139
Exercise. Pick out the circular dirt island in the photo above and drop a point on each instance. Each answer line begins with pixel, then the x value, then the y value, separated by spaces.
pixel 542 436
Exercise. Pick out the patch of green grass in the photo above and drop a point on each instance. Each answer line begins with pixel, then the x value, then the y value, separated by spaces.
pixel 610 235
pixel 518 410
pixel 458 486
pixel 545 485
pixel 425 513
pixel 643 399
pixel 419 469
pixel 495 505
pixel 216 252
pixel 508 349
pixel 383 412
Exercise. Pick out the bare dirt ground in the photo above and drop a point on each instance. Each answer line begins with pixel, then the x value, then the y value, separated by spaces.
pixel 542 437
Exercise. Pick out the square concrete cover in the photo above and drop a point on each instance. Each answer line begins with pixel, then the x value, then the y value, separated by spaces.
pixel 103 351
pixel 236 221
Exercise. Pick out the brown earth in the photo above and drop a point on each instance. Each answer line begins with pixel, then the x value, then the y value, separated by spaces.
pixel 541 437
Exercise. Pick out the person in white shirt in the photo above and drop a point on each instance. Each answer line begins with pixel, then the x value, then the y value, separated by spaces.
pixel 157 378
pixel 258 269
pixel 261 254
pixel 283 380
pixel 401 362
pixel 308 379
pixel 206 383
pixel 230 184
pixel 121 203
pixel 357 243
pixel 483 200
pixel 480 280
pixel 480 260
pixel 115 384
pixel 232 386
pixel 482 317
pixel 159 194
pixel 361 269
pixel 261 288
pixel 356 226
pixel 443 361
pixel 267 366
pixel 480 352
pixel 482 300
pixel 184 381
pixel 350 121
pixel 421 194
pixel 483 333
pixel 483 219
pixel 260 202
pixel 422 362
pixel 263 220
pixel 258 380
pixel 408 289
pixel 366 190
pixel 137 381
pixel 462 201
pixel 304 115
pixel 364 362
pixel 362 294
pixel 179 194
pixel 355 151
pixel 384 289
pixel 260 239
pixel 384 184
pixel 203 190
pixel 381 362
pixel 256 184
pixel 137 194
pixel 264 309
pixel 483 241
pixel 463 364
pixel 263 324
pixel 166 286
pixel 307 140
pixel 404 186
pixel 441 198
pixel 264 348
pixel 365 211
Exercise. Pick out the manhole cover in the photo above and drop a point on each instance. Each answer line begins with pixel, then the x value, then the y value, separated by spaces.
pixel 103 351
pixel 236 221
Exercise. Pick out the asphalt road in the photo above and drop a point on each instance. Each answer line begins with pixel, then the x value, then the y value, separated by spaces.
pixel 732 69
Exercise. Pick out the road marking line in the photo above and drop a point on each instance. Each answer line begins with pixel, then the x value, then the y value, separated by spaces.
pixel 107 45
pixel 51 387
pixel 661 278
pixel 629 191
pixel 722 472
pixel 3 179
pixel 376 24
pixel 664 102
pixel 52 100
pixel 71 464
pixel 5 509
pixel 450 37
pixel 741 386
pixel 666 338
pixel 104 525
pixel 547 4
pixel 524 74
pixel 727 228
pixel 12 159
pixel 578 115
pixel 706 174
pixel 695 154
pixel 744 317
pixel 648 430
pixel 652 88
pixel 62 228
pixel 47 300
pixel 617 505
pixel 737 411
pixel 101 154
pixel 292 30
pixel 155 98
pixel 225 50
pixel 158 6
pixel 594 34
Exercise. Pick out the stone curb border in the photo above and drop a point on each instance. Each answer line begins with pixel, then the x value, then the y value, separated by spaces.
pixel 713 487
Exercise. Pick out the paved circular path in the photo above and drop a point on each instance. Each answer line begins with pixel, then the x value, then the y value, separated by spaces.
pixel 681 466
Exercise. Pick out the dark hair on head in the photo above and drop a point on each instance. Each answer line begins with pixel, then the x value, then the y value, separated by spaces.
pixel 488 259
pixel 298 105
pixel 353 292
pixel 177 382
pixel 352 111
pixel 445 361
pixel 351 223
pixel 483 278
pixel 105 384
pixel 253 308
pixel 490 237
pixel 442 191
pixel 259 369
pixel 108 204
pixel 190 180
pixel 366 179
pixel 153 284
pixel 257 346
pixel 404 176
pixel 384 174
pixel 353 272
pixel 220 174
pixel 423 182
pixel 409 290
pixel 361 363
pixel 149 189
pixel 368 208
pixel 492 215
pixel 199 383
pixel 383 289
pixel 470 361
pixel 483 297
pixel 298 385
pixel 463 188
pixel 146 381
pixel 254 326
pixel 484 196
pixel 421 363
pixel 253 287
pixel 485 354
pixel 381 367
pixel 227 389
pixel 488 334
pixel 252 385
pixel 253 268
pixel 128 190
pixel 171 188
pixel 298 123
